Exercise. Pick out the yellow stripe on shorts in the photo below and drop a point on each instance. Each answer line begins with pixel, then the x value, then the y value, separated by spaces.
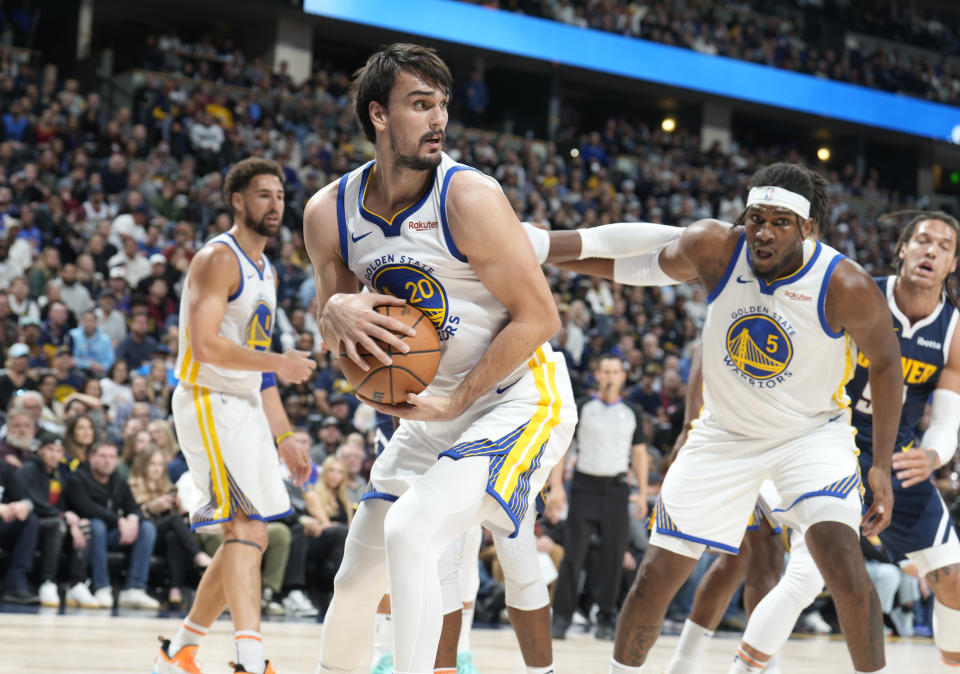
pixel 218 471
pixel 535 434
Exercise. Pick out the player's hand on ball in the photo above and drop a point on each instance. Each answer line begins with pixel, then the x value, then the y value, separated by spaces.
pixel 877 517
pixel 915 465
pixel 419 408
pixel 350 318
pixel 296 366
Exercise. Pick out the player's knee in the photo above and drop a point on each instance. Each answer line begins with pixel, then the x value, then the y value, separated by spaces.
pixel 526 594
pixel 400 532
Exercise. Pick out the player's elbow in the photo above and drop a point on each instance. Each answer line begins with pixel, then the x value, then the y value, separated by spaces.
pixel 548 325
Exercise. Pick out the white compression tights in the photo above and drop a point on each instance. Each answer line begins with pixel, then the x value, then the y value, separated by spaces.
pixel 357 589
pixel 773 619
pixel 447 501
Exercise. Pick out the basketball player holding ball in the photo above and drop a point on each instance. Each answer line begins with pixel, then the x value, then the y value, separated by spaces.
pixel 415 226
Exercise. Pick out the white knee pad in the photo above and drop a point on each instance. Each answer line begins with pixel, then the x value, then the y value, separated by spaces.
pixel 946 627
pixel 469 575
pixel 525 588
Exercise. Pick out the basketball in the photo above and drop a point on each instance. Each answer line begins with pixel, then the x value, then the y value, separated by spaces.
pixel 411 372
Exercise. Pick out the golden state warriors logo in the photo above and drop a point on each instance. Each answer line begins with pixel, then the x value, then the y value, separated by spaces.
pixel 759 347
pixel 259 328
pixel 417 287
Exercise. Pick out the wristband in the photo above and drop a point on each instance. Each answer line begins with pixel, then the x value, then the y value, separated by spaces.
pixel 283 436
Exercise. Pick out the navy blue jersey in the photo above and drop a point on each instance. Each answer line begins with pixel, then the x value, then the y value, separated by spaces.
pixel 923 350
pixel 384 431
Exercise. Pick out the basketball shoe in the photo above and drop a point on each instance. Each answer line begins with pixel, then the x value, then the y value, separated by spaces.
pixel 183 661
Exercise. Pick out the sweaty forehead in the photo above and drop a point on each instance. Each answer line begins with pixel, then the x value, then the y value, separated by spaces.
pixel 409 82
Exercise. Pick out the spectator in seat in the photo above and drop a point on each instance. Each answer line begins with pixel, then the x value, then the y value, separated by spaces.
pixel 97 492
pixel 138 346
pixel 20 440
pixel 15 376
pixel 92 348
pixel 18 534
pixel 79 439
pixel 353 457
pixel 158 501
pixel 110 321
pixel 42 479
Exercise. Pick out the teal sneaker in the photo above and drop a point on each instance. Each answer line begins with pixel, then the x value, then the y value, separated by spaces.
pixel 465 663
pixel 385 666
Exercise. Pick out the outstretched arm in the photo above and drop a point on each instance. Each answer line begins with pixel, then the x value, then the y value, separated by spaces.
pixel 854 304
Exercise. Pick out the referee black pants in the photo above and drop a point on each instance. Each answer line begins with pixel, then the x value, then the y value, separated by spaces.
pixel 596 504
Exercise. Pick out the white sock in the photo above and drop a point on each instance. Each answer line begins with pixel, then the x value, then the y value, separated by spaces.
pixel 744 664
pixel 773 665
pixel 617 668
pixel 463 645
pixel 382 636
pixel 189 634
pixel 693 639
pixel 249 644
pixel 541 670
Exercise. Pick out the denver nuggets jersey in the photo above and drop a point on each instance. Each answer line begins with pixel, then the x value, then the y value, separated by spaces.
pixel 772 366
pixel 248 321
pixel 924 347
pixel 412 255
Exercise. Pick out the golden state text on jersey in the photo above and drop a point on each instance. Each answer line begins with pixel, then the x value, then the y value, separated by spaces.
pixel 412 254
pixel 759 346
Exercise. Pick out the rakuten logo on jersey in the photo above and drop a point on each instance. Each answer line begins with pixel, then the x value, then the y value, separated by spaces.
pixel 421 225
pixel 797 297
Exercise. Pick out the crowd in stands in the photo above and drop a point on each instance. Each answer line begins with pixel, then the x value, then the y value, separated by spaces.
pixel 101 211
pixel 789 36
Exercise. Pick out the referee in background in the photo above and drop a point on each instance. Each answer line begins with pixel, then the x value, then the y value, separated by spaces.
pixel 608 442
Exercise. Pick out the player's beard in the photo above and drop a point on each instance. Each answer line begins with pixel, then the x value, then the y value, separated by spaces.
pixel 414 162
pixel 261 227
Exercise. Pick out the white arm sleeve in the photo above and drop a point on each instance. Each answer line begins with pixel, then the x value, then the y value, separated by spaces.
pixel 941 435
pixel 642 270
pixel 625 239
pixel 540 238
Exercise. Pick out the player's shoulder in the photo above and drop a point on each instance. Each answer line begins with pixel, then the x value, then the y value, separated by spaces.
pixel 215 259
pixel 850 277
pixel 323 200
pixel 469 186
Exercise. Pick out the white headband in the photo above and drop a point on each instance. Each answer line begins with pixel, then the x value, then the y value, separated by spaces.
pixel 777 196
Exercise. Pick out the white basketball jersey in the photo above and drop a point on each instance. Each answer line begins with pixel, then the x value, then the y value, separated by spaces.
pixel 771 364
pixel 248 321
pixel 412 255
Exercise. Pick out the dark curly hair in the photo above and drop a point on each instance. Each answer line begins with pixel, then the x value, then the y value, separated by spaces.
pixel 375 79
pixel 244 171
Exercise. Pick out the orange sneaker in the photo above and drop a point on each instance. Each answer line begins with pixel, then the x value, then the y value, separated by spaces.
pixel 267 668
pixel 183 661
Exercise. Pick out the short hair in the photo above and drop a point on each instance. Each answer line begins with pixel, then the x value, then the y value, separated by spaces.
pixel 244 171
pixel 609 356
pixel 374 81
pixel 95 447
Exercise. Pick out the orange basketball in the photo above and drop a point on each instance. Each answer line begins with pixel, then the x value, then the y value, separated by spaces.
pixel 411 372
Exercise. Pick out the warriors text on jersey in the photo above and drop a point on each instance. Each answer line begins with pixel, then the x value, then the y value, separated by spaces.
pixel 412 255
pixel 772 366
pixel 924 347
pixel 248 321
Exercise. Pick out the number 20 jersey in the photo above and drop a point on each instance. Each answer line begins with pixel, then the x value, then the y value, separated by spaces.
pixel 772 366
pixel 412 255
pixel 924 347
